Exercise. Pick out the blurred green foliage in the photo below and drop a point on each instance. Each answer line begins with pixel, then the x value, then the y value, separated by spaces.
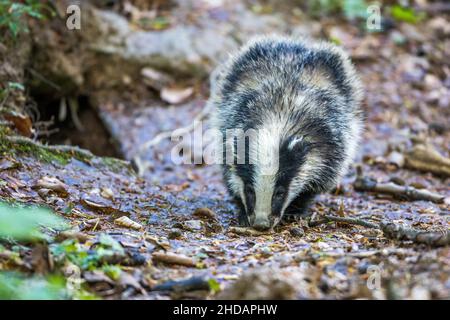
pixel 357 9
pixel 23 223
pixel 87 258
pixel 13 14
pixel 112 271
pixel 15 286
pixel 351 9
pixel 404 14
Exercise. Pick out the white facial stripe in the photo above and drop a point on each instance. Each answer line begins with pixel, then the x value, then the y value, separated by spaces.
pixel 264 188
pixel 267 148
pixel 237 185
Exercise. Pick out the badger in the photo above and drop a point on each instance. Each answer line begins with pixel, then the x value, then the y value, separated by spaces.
pixel 302 99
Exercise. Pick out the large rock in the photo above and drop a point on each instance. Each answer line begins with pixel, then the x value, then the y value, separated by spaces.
pixel 110 48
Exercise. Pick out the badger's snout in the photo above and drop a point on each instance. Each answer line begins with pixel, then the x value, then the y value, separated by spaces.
pixel 261 224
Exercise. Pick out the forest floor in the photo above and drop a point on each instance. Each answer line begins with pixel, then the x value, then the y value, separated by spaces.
pixel 166 247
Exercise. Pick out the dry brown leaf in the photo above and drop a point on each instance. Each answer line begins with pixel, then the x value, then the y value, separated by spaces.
pixel 128 223
pixel 176 96
pixel 53 184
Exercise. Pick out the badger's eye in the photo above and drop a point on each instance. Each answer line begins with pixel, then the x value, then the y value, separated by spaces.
pixel 249 192
pixel 279 194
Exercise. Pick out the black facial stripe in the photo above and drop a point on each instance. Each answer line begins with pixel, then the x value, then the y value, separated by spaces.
pixel 301 203
pixel 289 163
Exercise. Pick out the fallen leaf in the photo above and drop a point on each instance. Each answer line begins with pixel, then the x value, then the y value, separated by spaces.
pixel 176 96
pixel 53 184
pixel 107 193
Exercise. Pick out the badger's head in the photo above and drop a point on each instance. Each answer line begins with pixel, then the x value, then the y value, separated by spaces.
pixel 277 170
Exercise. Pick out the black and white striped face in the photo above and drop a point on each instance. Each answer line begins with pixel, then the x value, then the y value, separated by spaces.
pixel 265 196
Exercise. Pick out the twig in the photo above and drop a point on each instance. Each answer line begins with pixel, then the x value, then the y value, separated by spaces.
pixel 394 231
pixel 43 79
pixel 74 108
pixel 172 258
pixel 247 231
pixel 359 222
pixel 190 284
pixel 405 192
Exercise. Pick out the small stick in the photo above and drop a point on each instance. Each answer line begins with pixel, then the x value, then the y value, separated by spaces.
pixel 395 231
pixel 359 222
pixel 172 258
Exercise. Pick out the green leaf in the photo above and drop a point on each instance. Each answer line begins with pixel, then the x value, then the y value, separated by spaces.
pixel 14 286
pixel 112 271
pixel 24 222
pixel 108 242
pixel 214 286
pixel 408 15
pixel 16 85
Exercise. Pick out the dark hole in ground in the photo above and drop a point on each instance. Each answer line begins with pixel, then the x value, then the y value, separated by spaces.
pixel 83 129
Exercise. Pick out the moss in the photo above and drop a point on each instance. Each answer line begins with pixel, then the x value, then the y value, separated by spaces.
pixel 14 145
pixel 117 165
pixel 42 154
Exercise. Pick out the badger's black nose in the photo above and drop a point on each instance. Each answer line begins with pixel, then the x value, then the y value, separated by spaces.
pixel 261 225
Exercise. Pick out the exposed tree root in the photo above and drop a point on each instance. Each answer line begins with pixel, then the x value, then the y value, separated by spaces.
pixel 359 222
pixel 395 231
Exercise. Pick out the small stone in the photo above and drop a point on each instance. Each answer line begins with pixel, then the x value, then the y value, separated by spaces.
pixel 396 158
pixel 174 234
pixel 205 213
pixel 297 232
pixel 266 252
pixel 176 96
pixel 107 193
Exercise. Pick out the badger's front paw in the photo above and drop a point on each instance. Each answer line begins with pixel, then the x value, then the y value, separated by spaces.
pixel 243 220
